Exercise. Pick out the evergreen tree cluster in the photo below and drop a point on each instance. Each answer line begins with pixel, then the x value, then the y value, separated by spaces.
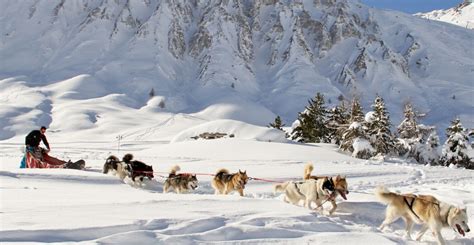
pixel 370 135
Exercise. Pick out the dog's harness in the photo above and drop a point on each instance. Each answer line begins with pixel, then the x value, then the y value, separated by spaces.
pixel 298 188
pixel 410 205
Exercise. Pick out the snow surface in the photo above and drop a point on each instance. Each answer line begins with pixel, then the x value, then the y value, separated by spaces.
pixel 90 65
pixel 87 207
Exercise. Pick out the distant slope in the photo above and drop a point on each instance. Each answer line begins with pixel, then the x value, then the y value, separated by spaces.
pixel 461 15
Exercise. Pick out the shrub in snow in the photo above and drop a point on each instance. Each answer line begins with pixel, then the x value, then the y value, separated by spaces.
pixel 362 148
pixel 428 152
pixel 355 131
pixel 456 146
pixel 312 122
pixel 355 141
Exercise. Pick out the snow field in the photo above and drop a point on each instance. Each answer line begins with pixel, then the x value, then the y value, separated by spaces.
pixel 64 206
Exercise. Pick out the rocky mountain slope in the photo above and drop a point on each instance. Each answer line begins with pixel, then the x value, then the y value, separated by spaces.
pixel 264 56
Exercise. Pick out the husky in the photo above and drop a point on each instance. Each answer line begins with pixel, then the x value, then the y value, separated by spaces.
pixel 180 182
pixel 224 182
pixel 114 165
pixel 422 209
pixel 339 183
pixel 309 191
pixel 137 169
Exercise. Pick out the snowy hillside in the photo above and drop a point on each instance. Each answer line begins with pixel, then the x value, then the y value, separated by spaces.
pixel 462 15
pixel 88 207
pixel 87 67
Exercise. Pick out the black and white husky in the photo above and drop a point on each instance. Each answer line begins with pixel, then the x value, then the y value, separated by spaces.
pixel 180 182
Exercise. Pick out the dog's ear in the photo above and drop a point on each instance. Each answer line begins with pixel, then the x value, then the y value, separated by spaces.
pixel 338 177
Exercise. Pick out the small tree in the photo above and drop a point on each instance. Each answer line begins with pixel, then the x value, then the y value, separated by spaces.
pixel 354 140
pixel 379 128
pixel 311 125
pixel 277 123
pixel 338 121
pixel 427 153
pixel 456 146
pixel 357 114
pixel 408 133
pixel 408 128
pixel 354 137
pixel 152 93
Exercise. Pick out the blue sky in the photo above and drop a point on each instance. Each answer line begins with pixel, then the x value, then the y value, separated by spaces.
pixel 412 6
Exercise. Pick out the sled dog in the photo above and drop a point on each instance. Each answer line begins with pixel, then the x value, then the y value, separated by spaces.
pixel 422 209
pixel 114 165
pixel 309 191
pixel 180 182
pixel 224 182
pixel 137 170
pixel 340 184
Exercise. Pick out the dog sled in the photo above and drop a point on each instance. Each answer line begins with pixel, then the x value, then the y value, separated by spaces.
pixel 39 158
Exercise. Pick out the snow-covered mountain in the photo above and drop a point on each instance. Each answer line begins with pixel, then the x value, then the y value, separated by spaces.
pixel 461 15
pixel 82 66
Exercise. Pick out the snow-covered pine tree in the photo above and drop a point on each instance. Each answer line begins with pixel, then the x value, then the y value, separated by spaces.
pixel 354 137
pixel 311 126
pixel 408 128
pixel 338 122
pixel 427 153
pixel 456 146
pixel 355 141
pixel 357 114
pixel 408 133
pixel 378 124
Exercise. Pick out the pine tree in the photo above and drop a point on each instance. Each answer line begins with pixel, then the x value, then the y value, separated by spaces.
pixel 355 133
pixel 357 114
pixel 456 146
pixel 311 127
pixel 151 93
pixel 338 121
pixel 408 132
pixel 427 153
pixel 379 128
pixel 408 128
pixel 277 123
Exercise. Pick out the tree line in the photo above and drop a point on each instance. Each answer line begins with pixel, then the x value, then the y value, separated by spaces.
pixel 369 135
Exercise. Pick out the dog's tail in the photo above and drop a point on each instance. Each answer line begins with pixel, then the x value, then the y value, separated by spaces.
pixel 220 172
pixel 281 187
pixel 384 195
pixel 174 169
pixel 307 170
pixel 127 158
